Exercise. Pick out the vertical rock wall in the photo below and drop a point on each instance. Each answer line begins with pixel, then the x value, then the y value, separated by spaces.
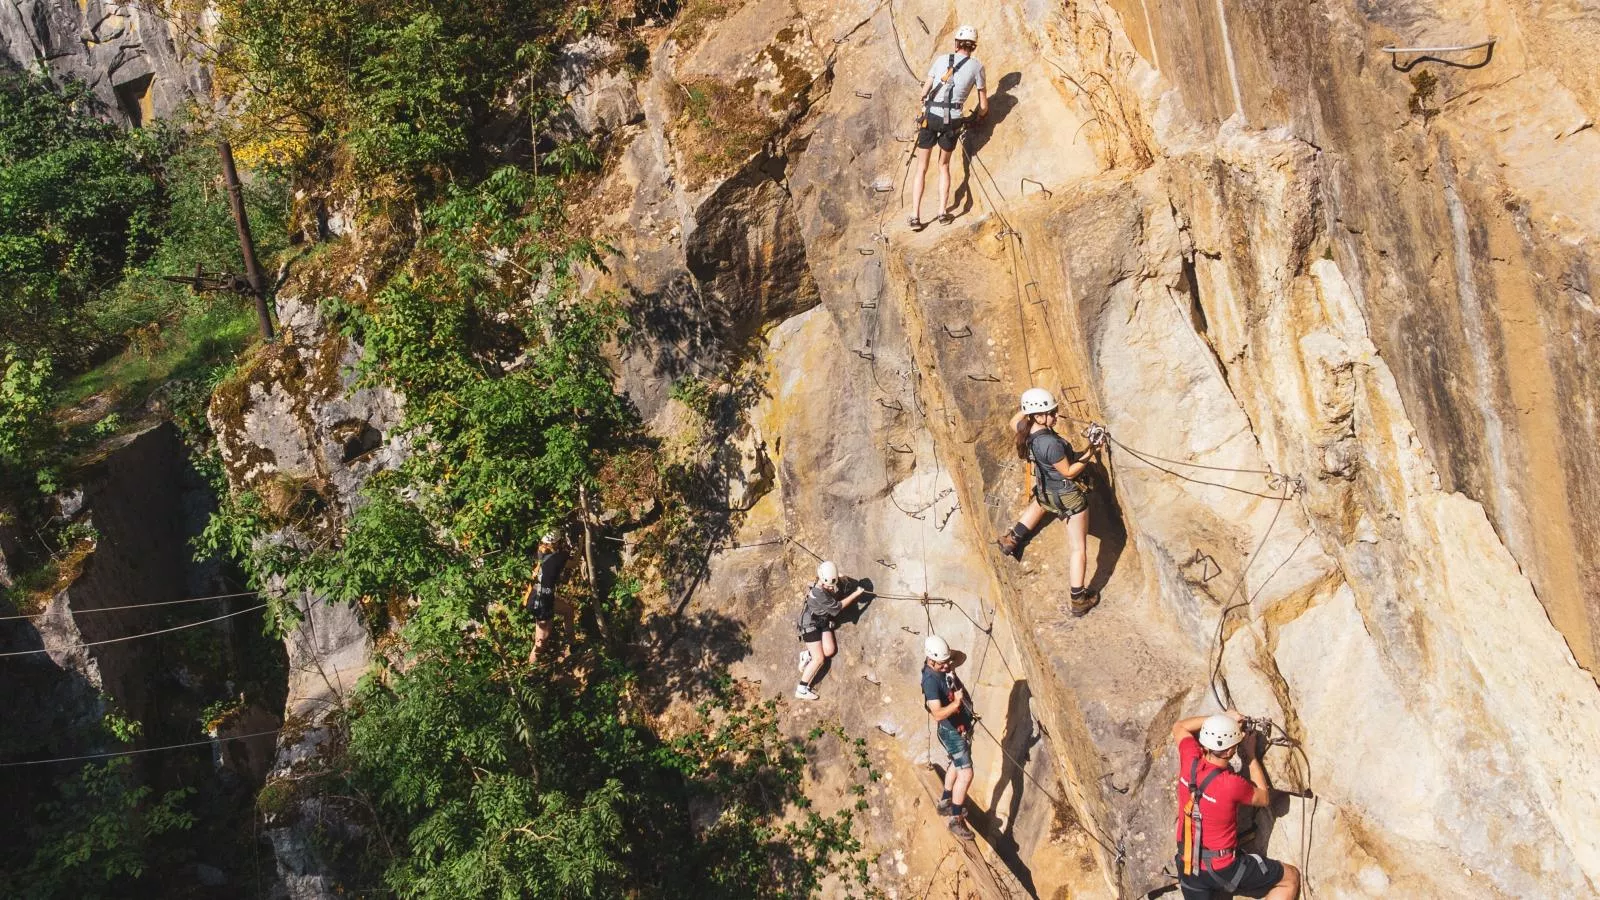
pixel 129 54
pixel 1241 239
pixel 1335 314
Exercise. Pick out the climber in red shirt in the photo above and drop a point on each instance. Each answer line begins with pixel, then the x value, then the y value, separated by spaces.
pixel 1209 859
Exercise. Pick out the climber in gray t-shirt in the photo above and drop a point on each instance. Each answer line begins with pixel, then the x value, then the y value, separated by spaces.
pixel 951 78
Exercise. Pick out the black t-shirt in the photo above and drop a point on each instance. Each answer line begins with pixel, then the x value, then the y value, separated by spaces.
pixel 550 566
pixel 1048 448
pixel 941 686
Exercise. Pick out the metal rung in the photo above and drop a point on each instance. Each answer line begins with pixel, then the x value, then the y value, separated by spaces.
pixel 1459 49
pixel 865 95
pixel 966 331
pixel 986 377
pixel 901 448
pixel 891 404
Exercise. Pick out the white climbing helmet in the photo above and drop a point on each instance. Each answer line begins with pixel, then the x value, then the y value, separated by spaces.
pixel 827 572
pixel 936 648
pixel 1219 733
pixel 1037 400
pixel 549 537
pixel 967 33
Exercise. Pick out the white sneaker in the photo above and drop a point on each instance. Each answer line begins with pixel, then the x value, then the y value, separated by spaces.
pixel 805 660
pixel 801 692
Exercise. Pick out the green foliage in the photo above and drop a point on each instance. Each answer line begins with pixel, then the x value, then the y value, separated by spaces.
pixel 695 393
pixel 79 201
pixel 101 833
pixel 482 781
pixel 406 89
pixel 97 838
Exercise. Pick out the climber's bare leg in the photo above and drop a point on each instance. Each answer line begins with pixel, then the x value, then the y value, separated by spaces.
pixel 1032 516
pixel 1289 887
pixel 1078 548
pixel 919 178
pixel 944 181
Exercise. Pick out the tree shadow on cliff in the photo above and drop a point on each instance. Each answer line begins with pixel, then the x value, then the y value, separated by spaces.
pixel 688 656
pixel 977 135
pixel 675 330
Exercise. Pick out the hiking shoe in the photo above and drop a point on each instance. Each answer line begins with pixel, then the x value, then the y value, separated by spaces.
pixel 943 806
pixel 915 223
pixel 801 692
pixel 1009 545
pixel 805 660
pixel 1081 605
pixel 958 827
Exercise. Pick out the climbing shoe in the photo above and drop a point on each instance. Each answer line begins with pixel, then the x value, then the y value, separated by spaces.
pixel 1084 602
pixel 804 692
pixel 943 806
pixel 958 827
pixel 1009 545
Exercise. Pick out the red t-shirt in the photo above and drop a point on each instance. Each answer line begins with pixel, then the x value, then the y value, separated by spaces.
pixel 1219 805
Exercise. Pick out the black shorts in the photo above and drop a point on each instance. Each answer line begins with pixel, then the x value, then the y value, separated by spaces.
pixel 542 605
pixel 939 132
pixel 1249 873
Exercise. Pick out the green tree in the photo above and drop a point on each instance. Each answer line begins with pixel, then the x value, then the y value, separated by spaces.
pixel 79 201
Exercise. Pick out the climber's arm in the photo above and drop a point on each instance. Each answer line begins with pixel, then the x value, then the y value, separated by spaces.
pixel 1072 469
pixel 1187 727
pixel 1258 772
pixel 940 713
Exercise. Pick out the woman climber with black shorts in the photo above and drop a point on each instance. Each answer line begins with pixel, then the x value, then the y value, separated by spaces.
pixel 1055 465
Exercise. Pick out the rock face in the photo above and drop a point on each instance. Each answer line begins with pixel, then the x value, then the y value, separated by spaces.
pixel 295 429
pixel 1337 316
pixel 133 58
pixel 1334 312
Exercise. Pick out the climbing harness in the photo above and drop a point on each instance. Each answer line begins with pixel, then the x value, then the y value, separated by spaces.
pixel 1191 851
pixel 951 114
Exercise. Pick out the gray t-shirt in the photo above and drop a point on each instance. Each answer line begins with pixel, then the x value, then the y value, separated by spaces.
pixel 1047 449
pixel 949 97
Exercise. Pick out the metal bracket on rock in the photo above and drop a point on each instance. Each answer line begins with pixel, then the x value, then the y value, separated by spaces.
pixel 864 354
pixel 865 251
pixel 1035 286
pixel 1047 191
pixel 901 448
pixel 923 24
pixel 964 332
pixel 886 564
pixel 1425 54
pixel 985 377
pixel 865 95
pixel 1294 484
pixel 891 404
pixel 1112 784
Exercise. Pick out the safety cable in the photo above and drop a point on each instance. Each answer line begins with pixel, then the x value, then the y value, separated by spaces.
pixel 1219 643
pixel 43 762
pixel 130 637
pixel 1115 849
pixel 80 612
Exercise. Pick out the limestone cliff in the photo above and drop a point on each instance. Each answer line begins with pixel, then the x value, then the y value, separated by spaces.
pixel 1336 315
pixel 132 55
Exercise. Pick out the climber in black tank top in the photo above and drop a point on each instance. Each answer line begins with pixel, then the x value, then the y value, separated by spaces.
pixel 1053 465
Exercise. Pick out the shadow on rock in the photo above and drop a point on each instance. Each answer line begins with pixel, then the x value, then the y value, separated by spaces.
pixel 976 136
pixel 690 656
